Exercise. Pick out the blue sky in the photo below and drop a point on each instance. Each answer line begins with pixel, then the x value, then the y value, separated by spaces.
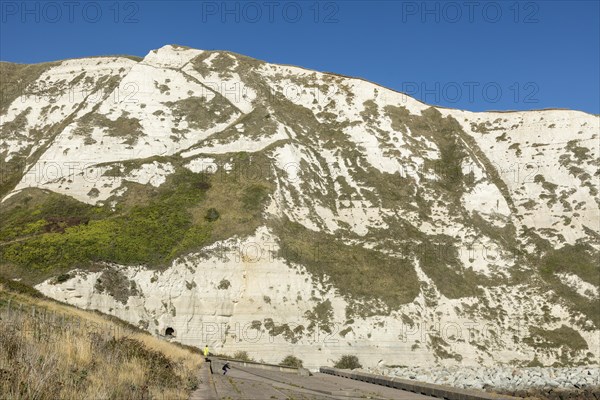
pixel 481 55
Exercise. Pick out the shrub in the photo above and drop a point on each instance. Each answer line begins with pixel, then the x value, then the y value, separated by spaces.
pixel 115 283
pixel 291 361
pixel 347 362
pixel 242 356
pixel 212 215
pixel 224 284
pixel 62 278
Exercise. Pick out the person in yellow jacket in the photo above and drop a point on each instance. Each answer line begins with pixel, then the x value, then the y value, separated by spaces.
pixel 206 352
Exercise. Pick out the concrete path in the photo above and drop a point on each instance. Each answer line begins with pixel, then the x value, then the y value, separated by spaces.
pixel 256 384
pixel 206 389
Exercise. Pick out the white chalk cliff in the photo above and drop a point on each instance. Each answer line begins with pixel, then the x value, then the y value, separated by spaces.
pixel 351 218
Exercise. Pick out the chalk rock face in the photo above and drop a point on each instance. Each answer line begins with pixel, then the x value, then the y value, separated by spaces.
pixel 213 198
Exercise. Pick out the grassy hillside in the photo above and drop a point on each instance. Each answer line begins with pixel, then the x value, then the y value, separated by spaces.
pixel 44 233
pixel 49 350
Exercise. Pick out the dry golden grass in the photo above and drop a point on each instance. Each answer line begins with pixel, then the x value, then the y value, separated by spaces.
pixel 49 350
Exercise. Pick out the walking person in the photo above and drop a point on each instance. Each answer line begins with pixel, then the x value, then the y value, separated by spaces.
pixel 206 353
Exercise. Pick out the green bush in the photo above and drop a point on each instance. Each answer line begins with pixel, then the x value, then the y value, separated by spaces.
pixel 242 356
pixel 62 278
pixel 291 361
pixel 212 215
pixel 347 362
pixel 224 284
